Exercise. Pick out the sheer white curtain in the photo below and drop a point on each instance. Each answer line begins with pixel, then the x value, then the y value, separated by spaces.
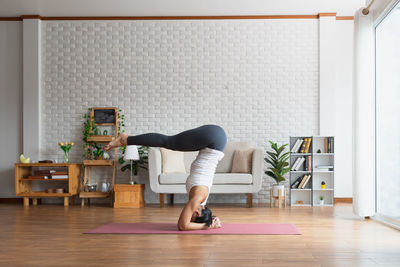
pixel 364 116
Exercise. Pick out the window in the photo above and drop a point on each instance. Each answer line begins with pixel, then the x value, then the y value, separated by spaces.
pixel 387 53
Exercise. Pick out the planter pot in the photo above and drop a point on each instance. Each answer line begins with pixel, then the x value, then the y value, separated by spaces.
pixel 275 190
pixel 321 202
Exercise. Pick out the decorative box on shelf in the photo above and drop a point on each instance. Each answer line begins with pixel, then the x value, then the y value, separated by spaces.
pixel 129 196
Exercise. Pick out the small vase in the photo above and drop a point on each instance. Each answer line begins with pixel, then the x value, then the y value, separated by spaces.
pixel 66 158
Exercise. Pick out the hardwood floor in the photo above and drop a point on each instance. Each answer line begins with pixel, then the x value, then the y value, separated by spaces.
pixel 51 235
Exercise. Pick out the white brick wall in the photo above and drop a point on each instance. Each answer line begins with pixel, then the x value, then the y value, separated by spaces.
pixel 258 79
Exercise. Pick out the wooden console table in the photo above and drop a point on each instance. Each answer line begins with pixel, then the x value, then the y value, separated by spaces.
pixel 23 185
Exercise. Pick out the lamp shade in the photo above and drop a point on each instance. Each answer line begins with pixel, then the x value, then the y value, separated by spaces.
pixel 131 153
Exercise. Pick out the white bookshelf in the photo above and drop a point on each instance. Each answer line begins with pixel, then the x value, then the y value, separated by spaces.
pixel 310 195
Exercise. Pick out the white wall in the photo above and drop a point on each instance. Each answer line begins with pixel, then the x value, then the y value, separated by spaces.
pixel 258 79
pixel 10 103
pixel 175 7
pixel 341 29
pixel 31 90
pixel 343 100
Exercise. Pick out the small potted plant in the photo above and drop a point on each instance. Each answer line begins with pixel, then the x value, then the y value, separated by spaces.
pixel 323 185
pixel 279 167
pixel 321 200
pixel 97 152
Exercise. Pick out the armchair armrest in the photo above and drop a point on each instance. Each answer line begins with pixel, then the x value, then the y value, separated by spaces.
pixel 155 164
pixel 257 168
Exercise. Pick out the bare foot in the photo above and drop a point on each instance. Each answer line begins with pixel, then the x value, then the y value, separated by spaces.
pixel 121 140
pixel 216 223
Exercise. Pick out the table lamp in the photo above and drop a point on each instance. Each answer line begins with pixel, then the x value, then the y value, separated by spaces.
pixel 131 153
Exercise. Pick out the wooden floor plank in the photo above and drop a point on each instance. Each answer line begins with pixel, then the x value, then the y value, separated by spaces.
pixel 49 235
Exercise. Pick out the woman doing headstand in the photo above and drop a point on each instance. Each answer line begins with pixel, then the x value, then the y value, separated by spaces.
pixel 210 141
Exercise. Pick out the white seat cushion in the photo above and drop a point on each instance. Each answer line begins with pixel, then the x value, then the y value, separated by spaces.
pixel 173 178
pixel 219 178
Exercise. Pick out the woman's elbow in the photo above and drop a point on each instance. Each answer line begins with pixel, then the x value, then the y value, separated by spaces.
pixel 183 226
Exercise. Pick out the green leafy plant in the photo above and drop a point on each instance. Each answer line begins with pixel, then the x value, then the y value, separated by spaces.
pixel 97 151
pixel 278 161
pixel 121 121
pixel 89 128
pixel 136 164
pixel 321 197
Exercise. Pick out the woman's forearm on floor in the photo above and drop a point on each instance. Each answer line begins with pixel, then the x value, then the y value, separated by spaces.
pixel 195 226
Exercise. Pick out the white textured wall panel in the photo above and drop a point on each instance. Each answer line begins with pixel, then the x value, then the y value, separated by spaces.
pixel 258 79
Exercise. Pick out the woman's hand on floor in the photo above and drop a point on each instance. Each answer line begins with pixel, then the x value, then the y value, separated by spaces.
pixel 216 223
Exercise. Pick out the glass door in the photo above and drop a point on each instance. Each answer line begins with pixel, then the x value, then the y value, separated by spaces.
pixel 387 52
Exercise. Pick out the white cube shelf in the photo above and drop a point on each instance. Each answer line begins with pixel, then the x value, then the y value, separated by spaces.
pixel 321 158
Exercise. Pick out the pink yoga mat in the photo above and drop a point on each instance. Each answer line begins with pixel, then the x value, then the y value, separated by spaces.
pixel 170 228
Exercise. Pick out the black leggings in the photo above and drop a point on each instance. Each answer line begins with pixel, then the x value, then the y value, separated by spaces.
pixel 211 136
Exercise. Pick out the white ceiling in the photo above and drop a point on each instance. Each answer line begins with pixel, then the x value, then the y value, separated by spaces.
pixel 175 7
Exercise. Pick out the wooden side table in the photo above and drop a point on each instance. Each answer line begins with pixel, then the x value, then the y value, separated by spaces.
pixel 23 184
pixel 279 198
pixel 128 196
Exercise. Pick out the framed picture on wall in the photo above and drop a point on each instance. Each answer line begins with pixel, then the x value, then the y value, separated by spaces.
pixel 104 116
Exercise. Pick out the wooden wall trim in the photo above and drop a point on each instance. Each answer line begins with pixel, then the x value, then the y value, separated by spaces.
pixel 185 17
pixel 10 19
pixel 31 17
pixel 179 17
pixel 343 200
pixel 345 18
pixel 327 14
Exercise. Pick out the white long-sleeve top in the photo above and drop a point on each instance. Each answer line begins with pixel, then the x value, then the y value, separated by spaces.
pixel 203 169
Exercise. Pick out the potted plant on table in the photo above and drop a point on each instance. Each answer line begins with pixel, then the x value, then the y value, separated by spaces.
pixel 97 152
pixel 279 167
pixel 321 200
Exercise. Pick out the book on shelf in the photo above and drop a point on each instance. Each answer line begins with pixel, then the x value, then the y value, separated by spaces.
pixel 304 145
pixel 59 173
pixel 300 163
pixel 308 146
pixel 330 145
pixel 324 168
pixel 302 181
pixel 59 177
pixel 308 161
pixel 43 172
pixel 296 183
pixel 306 181
pixel 297 145
pixel 297 164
